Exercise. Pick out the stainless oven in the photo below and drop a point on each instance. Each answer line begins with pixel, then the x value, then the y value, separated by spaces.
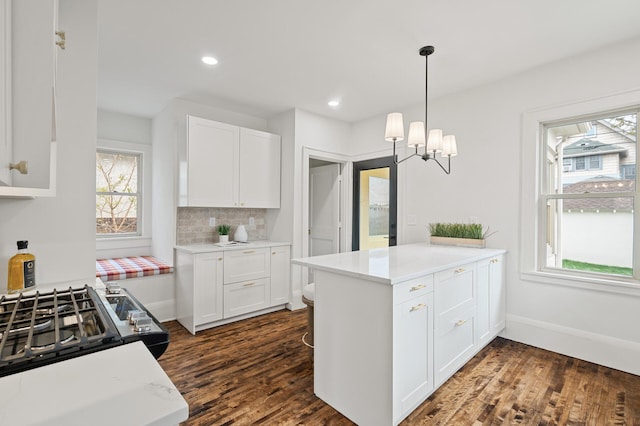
pixel 40 328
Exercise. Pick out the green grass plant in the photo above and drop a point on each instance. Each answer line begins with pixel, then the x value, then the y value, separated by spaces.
pixel 457 230
pixel 592 267
pixel 224 229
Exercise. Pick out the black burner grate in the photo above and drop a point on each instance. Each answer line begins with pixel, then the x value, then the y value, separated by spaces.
pixel 40 328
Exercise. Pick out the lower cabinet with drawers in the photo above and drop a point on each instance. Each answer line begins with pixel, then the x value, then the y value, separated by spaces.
pixel 224 285
pixel 380 349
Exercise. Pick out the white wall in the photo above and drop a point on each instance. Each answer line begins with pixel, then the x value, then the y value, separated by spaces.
pixel 123 127
pixel 485 183
pixel 61 230
pixel 300 129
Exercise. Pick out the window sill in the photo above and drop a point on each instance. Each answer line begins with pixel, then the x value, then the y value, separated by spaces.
pixel 630 286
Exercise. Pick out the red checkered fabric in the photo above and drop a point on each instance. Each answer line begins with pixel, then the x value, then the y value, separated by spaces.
pixel 121 268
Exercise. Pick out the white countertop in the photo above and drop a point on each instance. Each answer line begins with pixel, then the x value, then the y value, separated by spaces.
pixel 211 247
pixel 392 265
pixel 124 385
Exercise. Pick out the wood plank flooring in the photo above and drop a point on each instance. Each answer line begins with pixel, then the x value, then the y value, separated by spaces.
pixel 257 371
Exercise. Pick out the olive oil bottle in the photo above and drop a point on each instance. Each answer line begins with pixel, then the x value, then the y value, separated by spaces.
pixel 22 270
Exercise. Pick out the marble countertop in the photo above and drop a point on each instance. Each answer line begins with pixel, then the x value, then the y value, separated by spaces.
pixel 392 265
pixel 211 247
pixel 124 385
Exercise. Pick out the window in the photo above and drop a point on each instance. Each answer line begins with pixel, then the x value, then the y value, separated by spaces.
pixel 589 219
pixel 118 193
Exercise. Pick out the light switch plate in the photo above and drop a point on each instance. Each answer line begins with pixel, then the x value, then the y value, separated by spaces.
pixel 212 221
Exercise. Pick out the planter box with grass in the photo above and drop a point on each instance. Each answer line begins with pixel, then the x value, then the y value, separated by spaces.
pixel 458 234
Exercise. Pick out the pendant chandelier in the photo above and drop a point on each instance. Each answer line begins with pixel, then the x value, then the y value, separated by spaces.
pixel 435 144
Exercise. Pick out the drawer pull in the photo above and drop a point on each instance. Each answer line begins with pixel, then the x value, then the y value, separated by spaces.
pixel 248 284
pixel 459 270
pixel 248 252
pixel 460 322
pixel 417 307
pixel 417 287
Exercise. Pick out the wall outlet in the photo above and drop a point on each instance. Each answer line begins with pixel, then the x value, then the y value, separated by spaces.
pixel 212 222
pixel 252 221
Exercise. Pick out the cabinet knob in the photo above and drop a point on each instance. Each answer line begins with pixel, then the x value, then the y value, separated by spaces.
pixel 62 39
pixel 417 287
pixel 219 259
pixel 21 166
pixel 494 260
pixel 417 307
pixel 460 322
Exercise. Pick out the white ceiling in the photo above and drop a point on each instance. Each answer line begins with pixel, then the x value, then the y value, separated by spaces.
pixel 278 54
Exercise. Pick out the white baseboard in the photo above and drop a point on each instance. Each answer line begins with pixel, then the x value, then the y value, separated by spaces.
pixel 597 348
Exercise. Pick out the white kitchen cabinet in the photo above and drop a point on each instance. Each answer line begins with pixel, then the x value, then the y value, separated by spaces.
pixel 455 304
pixel 259 169
pixel 199 288
pixel 229 166
pixel 413 347
pixel 217 285
pixel 280 274
pixel 28 52
pixel 246 264
pixel 246 281
pixel 384 339
pixel 212 164
pixel 491 298
pixel 246 296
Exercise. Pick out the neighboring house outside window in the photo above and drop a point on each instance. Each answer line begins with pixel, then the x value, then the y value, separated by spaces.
pixel 590 191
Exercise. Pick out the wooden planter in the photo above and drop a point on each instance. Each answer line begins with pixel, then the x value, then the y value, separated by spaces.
pixel 459 242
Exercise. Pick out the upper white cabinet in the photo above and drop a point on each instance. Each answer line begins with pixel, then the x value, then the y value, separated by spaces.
pixel 229 166
pixel 28 45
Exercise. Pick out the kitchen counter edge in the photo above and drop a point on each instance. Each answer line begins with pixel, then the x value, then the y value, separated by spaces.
pixel 212 247
pixel 394 265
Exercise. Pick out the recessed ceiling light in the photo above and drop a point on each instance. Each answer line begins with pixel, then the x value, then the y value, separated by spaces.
pixel 334 103
pixel 209 60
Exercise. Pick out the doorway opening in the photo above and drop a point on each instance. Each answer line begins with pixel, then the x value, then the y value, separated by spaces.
pixel 375 196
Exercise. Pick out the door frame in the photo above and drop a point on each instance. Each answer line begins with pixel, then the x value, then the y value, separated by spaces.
pixel 370 164
pixel 345 211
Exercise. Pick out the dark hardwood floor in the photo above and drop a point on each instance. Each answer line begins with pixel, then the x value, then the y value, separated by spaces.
pixel 257 371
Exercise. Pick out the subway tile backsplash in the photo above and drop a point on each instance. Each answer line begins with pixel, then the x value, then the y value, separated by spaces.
pixel 193 224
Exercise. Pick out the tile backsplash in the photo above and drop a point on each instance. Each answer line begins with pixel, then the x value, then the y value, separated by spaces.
pixel 193 224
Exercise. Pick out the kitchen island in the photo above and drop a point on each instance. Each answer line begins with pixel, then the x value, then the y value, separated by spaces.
pixel 393 324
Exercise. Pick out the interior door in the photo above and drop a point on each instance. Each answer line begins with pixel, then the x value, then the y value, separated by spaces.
pixel 324 210
pixel 375 198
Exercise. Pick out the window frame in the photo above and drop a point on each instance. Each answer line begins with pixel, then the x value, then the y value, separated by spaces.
pixel 143 236
pixel 533 213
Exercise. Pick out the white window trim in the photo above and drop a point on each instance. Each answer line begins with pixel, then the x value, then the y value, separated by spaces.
pixel 136 242
pixel 531 181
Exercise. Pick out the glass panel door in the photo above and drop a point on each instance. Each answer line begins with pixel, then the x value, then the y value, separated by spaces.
pixel 375 195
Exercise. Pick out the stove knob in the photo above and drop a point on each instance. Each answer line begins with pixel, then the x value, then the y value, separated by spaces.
pixel 142 323
pixel 113 287
pixel 134 314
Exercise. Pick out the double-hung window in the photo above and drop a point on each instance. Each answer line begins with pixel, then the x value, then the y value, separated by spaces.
pixel 587 197
pixel 118 193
